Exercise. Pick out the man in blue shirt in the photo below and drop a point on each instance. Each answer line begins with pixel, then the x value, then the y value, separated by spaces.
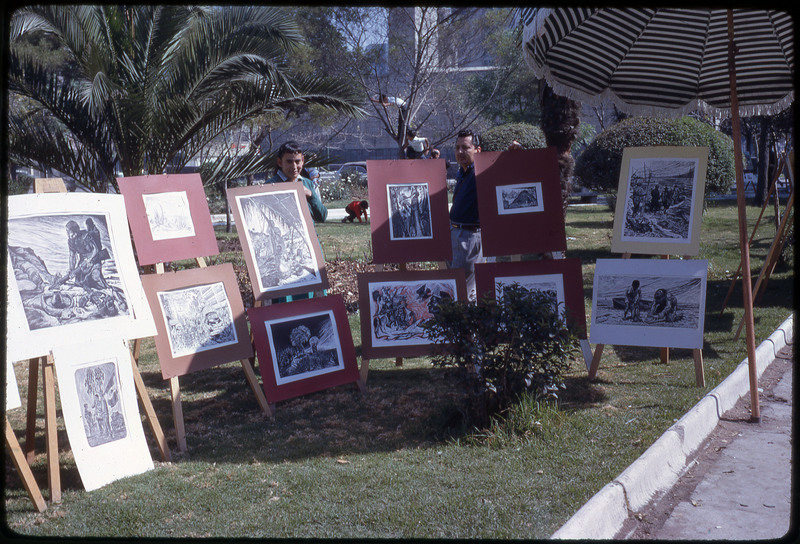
pixel 290 164
pixel 465 226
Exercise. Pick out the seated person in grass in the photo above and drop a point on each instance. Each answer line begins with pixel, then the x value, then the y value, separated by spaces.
pixel 665 307
pixel 356 209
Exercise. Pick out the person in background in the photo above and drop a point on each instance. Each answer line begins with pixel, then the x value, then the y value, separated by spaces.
pixel 417 147
pixel 465 225
pixel 435 153
pixel 356 209
pixel 289 167
pixel 313 175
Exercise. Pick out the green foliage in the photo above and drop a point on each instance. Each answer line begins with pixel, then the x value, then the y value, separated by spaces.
pixel 599 165
pixel 498 138
pixel 146 88
pixel 20 185
pixel 502 349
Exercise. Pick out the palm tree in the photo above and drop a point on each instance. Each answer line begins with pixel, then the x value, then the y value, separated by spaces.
pixel 146 88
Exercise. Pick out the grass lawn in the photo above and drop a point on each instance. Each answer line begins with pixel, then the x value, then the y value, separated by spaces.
pixel 394 463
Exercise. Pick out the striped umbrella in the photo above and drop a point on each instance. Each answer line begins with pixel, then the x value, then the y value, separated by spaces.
pixel 663 61
pixel 669 61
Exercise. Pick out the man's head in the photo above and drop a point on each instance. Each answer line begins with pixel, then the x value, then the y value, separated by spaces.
pixel 467 144
pixel 290 160
pixel 412 133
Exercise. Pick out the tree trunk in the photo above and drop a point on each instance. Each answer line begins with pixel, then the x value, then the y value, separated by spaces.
pixel 762 183
pixel 560 120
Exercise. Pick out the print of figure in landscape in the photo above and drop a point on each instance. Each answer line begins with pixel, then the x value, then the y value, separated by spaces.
pixel 101 403
pixel 198 318
pixel 409 211
pixel 399 309
pixel 660 199
pixel 65 274
pixel 279 240
pixel 660 301
pixel 305 346
pixel 519 198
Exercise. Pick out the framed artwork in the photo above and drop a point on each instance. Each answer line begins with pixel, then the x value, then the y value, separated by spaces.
pixel 280 245
pixel 169 217
pixel 519 202
pixel 12 387
pixel 100 410
pixel 71 273
pixel 199 317
pixel 394 305
pixel 649 302
pixel 410 219
pixel 303 346
pixel 660 200
pixel 561 278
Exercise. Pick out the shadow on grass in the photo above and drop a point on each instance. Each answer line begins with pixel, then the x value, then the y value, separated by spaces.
pixel 402 408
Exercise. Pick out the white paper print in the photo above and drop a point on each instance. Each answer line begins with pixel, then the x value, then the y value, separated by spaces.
pixel 519 198
pixel 100 410
pixel 168 215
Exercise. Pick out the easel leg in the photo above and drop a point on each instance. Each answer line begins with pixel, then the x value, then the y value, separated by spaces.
pixel 398 361
pixel 150 413
pixel 50 430
pixel 250 375
pixel 598 352
pixel 177 412
pixel 364 370
pixel 24 469
pixel 665 355
pixel 33 393
pixel 586 350
pixel 699 373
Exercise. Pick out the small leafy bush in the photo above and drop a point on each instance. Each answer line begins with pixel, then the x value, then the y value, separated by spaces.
pixel 498 138
pixel 598 166
pixel 503 349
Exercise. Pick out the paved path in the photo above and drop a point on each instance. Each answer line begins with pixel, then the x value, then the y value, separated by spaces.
pixel 738 487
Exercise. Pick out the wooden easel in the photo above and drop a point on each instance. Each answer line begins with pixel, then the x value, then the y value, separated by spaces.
pixel 175 388
pixel 780 226
pixel 24 469
pixel 697 354
pixel 56 185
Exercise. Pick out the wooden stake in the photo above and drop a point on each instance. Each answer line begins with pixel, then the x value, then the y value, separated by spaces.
pixel 24 469
pixel 750 337
pixel 177 412
pixel 150 413
pixel 699 373
pixel 51 430
pixel 33 393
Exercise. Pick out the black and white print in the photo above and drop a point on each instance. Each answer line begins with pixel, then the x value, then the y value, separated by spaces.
pixel 279 240
pixel 100 411
pixel 304 346
pixel 659 199
pixel 409 211
pixel 398 310
pixel 101 403
pixel 197 318
pixel 65 269
pixel 550 284
pixel 168 215
pixel 649 302
pixel 519 198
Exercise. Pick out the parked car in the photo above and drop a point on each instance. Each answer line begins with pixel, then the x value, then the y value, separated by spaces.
pixel 354 169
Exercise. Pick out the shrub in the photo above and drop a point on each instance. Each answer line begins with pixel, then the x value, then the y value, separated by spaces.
pixel 20 185
pixel 498 138
pixel 503 349
pixel 598 166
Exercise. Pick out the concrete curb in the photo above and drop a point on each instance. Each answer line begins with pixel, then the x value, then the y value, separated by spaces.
pixel 659 468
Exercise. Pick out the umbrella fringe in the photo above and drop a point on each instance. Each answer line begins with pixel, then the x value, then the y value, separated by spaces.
pixel 745 110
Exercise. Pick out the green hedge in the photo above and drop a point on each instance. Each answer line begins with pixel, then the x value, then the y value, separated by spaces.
pixel 598 166
pixel 498 138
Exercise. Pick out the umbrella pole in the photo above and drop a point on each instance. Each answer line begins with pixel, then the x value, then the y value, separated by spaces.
pixel 747 286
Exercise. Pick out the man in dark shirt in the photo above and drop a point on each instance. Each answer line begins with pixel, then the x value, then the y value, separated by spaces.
pixel 465 231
